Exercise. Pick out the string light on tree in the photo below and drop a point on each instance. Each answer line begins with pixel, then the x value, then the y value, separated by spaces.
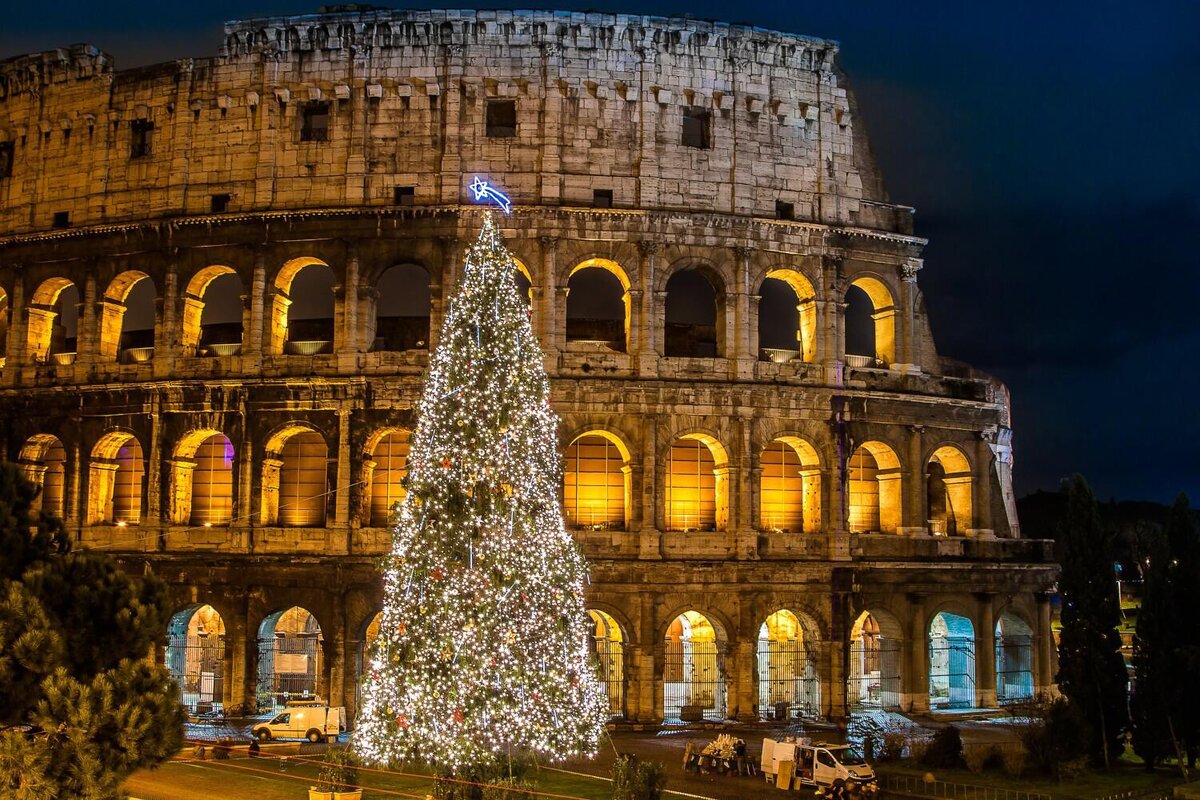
pixel 483 646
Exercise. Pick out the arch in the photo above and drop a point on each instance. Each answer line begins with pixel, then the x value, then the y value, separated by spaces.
pixel 116 473
pixel 402 309
pixel 195 657
pixel 290 658
pixel 201 479
pixel 949 486
pixel 787 316
pixel 694 669
pixel 212 323
pixel 697 496
pixel 790 486
pixel 384 470
pixel 1014 658
pixel 52 321
pixel 295 477
pixel 873 673
pixel 127 317
pixel 951 661
pixel 694 314
pixel 874 489
pixel 881 326
pixel 788 685
pixel 523 279
pixel 316 334
pixel 597 485
pixel 600 310
pixel 43 462
pixel 608 647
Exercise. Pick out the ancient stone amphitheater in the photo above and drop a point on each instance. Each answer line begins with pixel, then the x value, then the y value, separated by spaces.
pixel 220 279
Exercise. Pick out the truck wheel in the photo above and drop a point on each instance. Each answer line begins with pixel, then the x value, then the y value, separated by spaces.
pixel 314 736
pixel 264 735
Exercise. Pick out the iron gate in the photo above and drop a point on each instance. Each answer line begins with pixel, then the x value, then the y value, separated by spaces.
pixel 951 672
pixel 610 656
pixel 288 669
pixel 1014 668
pixel 873 676
pixel 693 681
pixel 196 663
pixel 787 680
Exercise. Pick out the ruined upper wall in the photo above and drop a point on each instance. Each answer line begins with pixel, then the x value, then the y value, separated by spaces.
pixel 600 101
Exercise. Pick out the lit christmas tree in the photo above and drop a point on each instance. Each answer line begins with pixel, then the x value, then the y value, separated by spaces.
pixel 483 645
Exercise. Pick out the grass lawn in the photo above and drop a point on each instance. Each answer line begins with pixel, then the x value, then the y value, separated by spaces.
pixel 262 779
pixel 1126 776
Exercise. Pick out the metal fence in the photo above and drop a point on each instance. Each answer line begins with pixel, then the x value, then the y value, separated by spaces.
pixel 197 665
pixel 288 668
pixel 693 681
pixel 787 680
pixel 873 679
pixel 919 787
pixel 611 658
pixel 951 672
pixel 1014 668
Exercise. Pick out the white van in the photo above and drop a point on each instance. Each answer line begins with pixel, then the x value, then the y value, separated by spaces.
pixel 304 720
pixel 802 764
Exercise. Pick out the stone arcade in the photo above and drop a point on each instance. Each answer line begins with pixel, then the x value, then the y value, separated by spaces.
pixel 220 279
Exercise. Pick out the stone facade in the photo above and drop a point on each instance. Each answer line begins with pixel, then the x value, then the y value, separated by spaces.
pixel 298 145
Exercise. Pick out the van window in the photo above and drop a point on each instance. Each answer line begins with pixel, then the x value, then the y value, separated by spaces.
pixel 282 719
pixel 825 759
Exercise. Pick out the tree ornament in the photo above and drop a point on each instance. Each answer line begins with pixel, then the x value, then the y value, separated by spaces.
pixel 402 722
pixel 437 573
pixel 446 462
pixel 459 716
pixel 401 629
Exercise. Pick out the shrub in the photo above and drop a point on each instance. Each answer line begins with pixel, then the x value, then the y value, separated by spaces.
pixel 893 747
pixel 945 749
pixel 1014 759
pixel 1058 735
pixel 510 789
pixel 637 780
pixel 917 746
pixel 339 771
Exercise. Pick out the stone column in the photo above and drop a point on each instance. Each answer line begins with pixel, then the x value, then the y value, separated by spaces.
pixel 154 466
pixel 831 316
pixel 1044 677
pixel 73 501
pixel 985 651
pixel 552 299
pixel 18 331
pixel 915 680
pixel 179 490
pixel 833 681
pixel 981 505
pixel 255 340
pixel 341 512
pixel 167 327
pixel 346 335
pixel 914 513
pixel 87 339
pixel 237 690
pixel 246 682
pixel 442 288
pixel 738 338
pixel 908 356
pixel 741 663
pixel 335 646
pixel 647 342
pixel 648 494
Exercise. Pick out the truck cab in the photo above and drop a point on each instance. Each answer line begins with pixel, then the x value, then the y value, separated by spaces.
pixel 313 721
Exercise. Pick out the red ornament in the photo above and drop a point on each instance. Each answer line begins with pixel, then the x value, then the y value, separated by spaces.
pixel 446 462
pixel 402 722
pixel 401 629
pixel 437 574
pixel 459 716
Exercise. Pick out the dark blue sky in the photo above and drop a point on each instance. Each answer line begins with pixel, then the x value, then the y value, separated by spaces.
pixel 1052 151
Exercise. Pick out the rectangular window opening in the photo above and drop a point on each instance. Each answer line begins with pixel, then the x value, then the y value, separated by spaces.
pixel 141 135
pixel 314 121
pixel 785 210
pixel 404 195
pixel 696 123
pixel 220 203
pixel 62 219
pixel 6 159
pixel 602 198
pixel 501 118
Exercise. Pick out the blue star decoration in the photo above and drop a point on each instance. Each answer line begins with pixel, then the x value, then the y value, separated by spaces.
pixel 486 193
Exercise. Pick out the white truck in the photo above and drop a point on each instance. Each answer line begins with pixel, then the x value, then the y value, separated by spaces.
pixel 836 768
pixel 312 720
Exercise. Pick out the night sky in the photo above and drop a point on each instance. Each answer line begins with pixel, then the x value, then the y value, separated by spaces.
pixel 1051 152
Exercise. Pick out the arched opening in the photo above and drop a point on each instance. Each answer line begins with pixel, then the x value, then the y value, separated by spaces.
pixel 195 657
pixel 697 490
pixel 598 305
pixel 53 322
pixel 951 661
pixel 874 489
pixel 302 311
pixel 402 310
pixel 787 317
pixel 387 465
pixel 870 324
pixel 523 278
pixel 127 315
pixel 790 487
pixel 4 323
pixel 212 313
pixel 116 473
pixel 948 485
pixel 295 478
pixel 693 670
pixel 609 649
pixel 1014 659
pixel 43 462
pixel 788 685
pixel 693 316
pixel 596 482
pixel 290 659
pixel 202 480
pixel 873 675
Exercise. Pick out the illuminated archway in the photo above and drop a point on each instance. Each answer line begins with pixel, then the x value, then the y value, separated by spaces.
pixel 787 316
pixel 951 661
pixel 598 304
pixel 608 643
pixel 873 674
pixel 212 312
pixel 115 475
pixel 384 470
pixel 290 659
pixel 949 485
pixel 295 477
pixel 201 487
pixel 874 489
pixel 402 309
pixel 693 315
pixel 790 486
pixel 306 329
pixel 788 685
pixel 880 324
pixel 697 484
pixel 1014 659
pixel 127 316
pixel 52 321
pixel 195 657
pixel 693 670
pixel 596 482
pixel 43 461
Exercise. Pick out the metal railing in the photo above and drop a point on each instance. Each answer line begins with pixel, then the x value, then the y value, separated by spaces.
pixel 917 786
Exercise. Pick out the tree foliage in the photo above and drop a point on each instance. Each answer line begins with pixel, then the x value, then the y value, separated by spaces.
pixel 1091 672
pixel 75 631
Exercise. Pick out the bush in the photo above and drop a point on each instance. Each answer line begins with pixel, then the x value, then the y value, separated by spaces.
pixel 917 746
pixel 339 771
pixel 1058 735
pixel 893 747
pixel 510 789
pixel 1014 759
pixel 637 780
pixel 945 749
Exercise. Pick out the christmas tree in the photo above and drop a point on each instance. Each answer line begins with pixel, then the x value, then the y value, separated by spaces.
pixel 483 644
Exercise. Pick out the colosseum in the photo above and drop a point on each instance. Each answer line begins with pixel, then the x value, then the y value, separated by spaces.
pixel 220 280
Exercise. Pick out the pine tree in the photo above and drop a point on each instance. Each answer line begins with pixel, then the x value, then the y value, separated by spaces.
pixel 1091 670
pixel 482 648
pixel 74 633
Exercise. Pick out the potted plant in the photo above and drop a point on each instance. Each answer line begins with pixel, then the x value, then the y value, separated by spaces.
pixel 337 779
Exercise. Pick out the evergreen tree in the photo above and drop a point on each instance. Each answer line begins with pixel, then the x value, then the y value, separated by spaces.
pixel 75 631
pixel 483 646
pixel 1091 670
pixel 1151 703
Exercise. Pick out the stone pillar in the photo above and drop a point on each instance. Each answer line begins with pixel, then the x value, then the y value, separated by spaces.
pixel 914 513
pixel 908 356
pixel 18 331
pixel 73 500
pixel 831 310
pixel 335 647
pixel 1044 677
pixel 648 341
pixel 236 692
pixel 154 466
pixel 737 331
pixel 341 512
pixel 246 510
pixel 255 339
pixel 552 300
pixel 346 335
pixel 915 679
pixel 742 667
pixel 981 504
pixel 634 475
pixel 179 490
pixel 649 493
pixel 167 327
pixel 985 651
pixel 245 680
pixel 87 329
pixel 442 288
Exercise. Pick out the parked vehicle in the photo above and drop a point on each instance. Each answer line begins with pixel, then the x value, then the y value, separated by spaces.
pixel 311 720
pixel 835 767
